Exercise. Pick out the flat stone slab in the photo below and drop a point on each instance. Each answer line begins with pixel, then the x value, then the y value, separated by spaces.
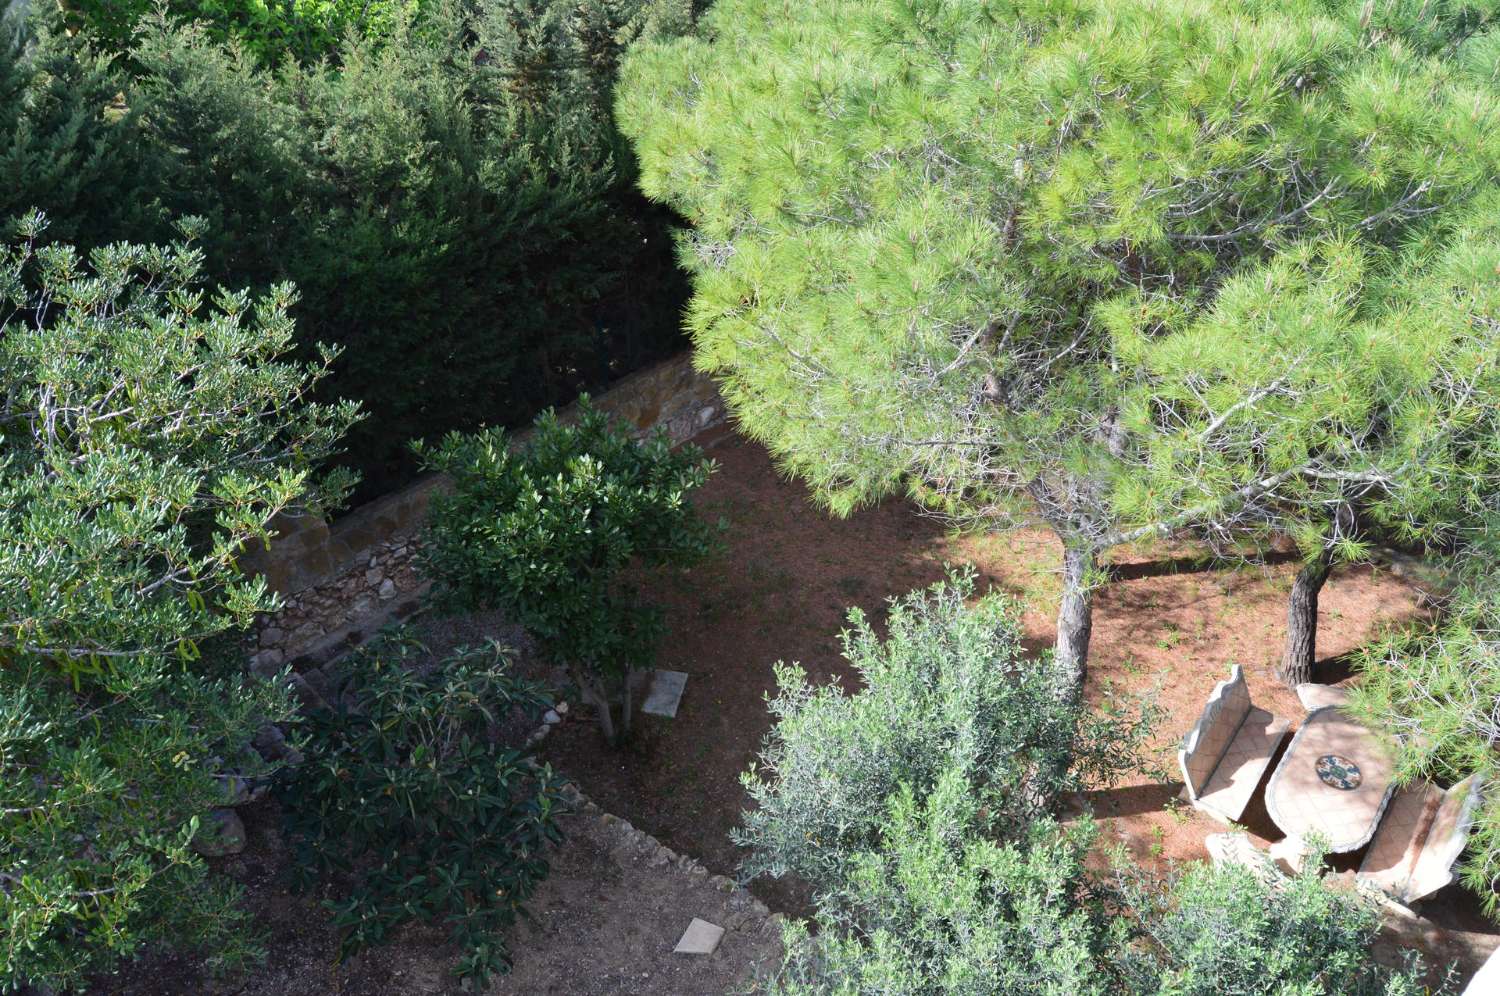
pixel 665 694
pixel 700 938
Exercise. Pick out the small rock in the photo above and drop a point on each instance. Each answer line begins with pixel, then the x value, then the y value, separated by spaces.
pixel 267 662
pixel 387 590
pixel 373 575
pixel 306 695
pixel 552 718
pixel 373 560
pixel 221 832
pixel 561 708
pixel 270 636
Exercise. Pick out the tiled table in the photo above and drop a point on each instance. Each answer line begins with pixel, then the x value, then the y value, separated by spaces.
pixel 1334 781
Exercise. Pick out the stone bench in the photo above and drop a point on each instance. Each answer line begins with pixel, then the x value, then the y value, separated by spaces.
pixel 1423 832
pixel 1227 751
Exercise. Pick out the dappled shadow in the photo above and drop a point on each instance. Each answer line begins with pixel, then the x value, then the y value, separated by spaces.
pixel 1335 669
pixel 1131 800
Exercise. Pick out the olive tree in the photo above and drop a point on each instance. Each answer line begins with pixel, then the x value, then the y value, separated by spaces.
pixel 936 243
pixel 146 436
pixel 548 530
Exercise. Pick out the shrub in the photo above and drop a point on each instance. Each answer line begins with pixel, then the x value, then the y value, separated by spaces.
pixel 271 30
pixel 947 693
pixel 936 908
pixel 68 146
pixel 547 532
pixel 145 437
pixel 409 799
pixel 1210 931
pixel 455 207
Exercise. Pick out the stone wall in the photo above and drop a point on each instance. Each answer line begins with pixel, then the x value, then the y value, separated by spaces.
pixel 341 582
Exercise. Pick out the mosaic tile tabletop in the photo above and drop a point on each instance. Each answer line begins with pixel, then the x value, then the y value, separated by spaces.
pixel 1334 780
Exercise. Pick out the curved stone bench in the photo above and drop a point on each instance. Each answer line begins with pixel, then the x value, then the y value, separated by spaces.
pixel 1227 751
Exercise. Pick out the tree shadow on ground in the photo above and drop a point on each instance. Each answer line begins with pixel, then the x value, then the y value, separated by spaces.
pixel 1131 800
pixel 1192 563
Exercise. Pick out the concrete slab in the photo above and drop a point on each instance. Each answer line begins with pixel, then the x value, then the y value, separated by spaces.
pixel 665 694
pixel 701 938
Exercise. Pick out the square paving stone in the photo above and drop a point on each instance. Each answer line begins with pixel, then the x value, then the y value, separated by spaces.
pixel 665 694
pixel 701 937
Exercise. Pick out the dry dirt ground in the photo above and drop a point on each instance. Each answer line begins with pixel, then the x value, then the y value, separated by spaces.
pixel 1166 625
pixel 604 922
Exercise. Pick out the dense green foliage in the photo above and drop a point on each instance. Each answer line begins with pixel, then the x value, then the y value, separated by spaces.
pixel 269 29
pixel 934 908
pixel 1218 931
pixel 412 804
pixel 68 147
pixel 1434 691
pixel 453 202
pixel 912 808
pixel 146 435
pixel 547 531
pixel 947 694
pixel 1130 266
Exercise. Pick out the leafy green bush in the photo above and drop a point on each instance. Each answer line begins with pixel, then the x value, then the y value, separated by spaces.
pixel 409 800
pixel 68 146
pixel 145 437
pixel 269 29
pixel 454 206
pixel 547 532
pixel 947 694
pixel 934 907
pixel 1210 931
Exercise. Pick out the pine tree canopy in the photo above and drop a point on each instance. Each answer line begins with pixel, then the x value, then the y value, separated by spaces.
pixel 1138 266
pixel 1125 256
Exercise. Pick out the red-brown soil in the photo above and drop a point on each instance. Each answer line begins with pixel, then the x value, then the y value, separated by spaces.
pixel 779 591
pixel 789 572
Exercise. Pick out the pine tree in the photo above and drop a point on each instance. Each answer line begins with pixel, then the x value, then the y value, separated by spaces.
pixel 973 251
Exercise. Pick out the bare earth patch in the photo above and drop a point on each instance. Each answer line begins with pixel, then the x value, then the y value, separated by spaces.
pixel 604 922
pixel 1167 625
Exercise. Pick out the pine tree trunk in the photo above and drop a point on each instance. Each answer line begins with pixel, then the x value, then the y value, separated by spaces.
pixel 1075 620
pixel 1302 622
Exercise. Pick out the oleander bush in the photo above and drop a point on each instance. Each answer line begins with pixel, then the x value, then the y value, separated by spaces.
pixel 412 804
pixel 148 432
pixel 549 530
